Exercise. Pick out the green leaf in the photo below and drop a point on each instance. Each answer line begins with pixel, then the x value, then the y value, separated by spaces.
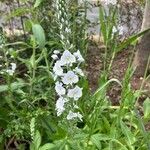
pixel 96 140
pixel 32 61
pixel 37 140
pixel 4 117
pixel 106 123
pixel 47 146
pixel 14 86
pixel 37 3
pixel 105 138
pixel 103 26
pixel 107 83
pixel 81 136
pixel 32 128
pixel 146 106
pixel 39 34
pixel 131 138
pixel 141 126
pixel 28 25
pixel 131 39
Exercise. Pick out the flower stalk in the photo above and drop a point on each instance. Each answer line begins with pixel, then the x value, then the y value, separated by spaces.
pixel 66 69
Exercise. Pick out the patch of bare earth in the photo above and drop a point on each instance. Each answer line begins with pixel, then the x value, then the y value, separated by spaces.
pixel 118 70
pixel 93 66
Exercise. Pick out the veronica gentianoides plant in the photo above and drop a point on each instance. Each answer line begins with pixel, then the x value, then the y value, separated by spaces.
pixel 66 69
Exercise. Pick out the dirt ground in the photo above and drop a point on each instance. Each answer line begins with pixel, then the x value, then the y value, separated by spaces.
pixel 94 67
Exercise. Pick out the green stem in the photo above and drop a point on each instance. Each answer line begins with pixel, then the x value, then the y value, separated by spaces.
pixel 33 71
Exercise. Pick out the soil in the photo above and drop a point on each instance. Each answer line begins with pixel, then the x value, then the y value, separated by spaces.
pixel 94 67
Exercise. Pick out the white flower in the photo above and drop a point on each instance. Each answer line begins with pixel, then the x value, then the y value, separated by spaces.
pixel 56 52
pixel 67 30
pixel 70 77
pixel 121 30
pixel 79 71
pixel 13 66
pixel 59 88
pixel 58 69
pixel 60 106
pixel 75 93
pixel 67 58
pixel 79 116
pixel 62 20
pixel 78 56
pixel 10 72
pixel 71 115
pixel 114 30
pixel 62 37
pixel 58 63
pixel 53 76
pixel 76 107
pixel 54 56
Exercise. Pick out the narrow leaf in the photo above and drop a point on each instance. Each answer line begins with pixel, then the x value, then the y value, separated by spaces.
pixel 127 133
pixel 47 146
pixel 131 40
pixel 37 3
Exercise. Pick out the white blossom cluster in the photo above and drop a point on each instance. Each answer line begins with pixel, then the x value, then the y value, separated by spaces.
pixel 10 69
pixel 66 69
pixel 66 73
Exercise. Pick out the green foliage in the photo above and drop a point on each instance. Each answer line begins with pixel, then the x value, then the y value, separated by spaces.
pixel 27 99
pixel 39 35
